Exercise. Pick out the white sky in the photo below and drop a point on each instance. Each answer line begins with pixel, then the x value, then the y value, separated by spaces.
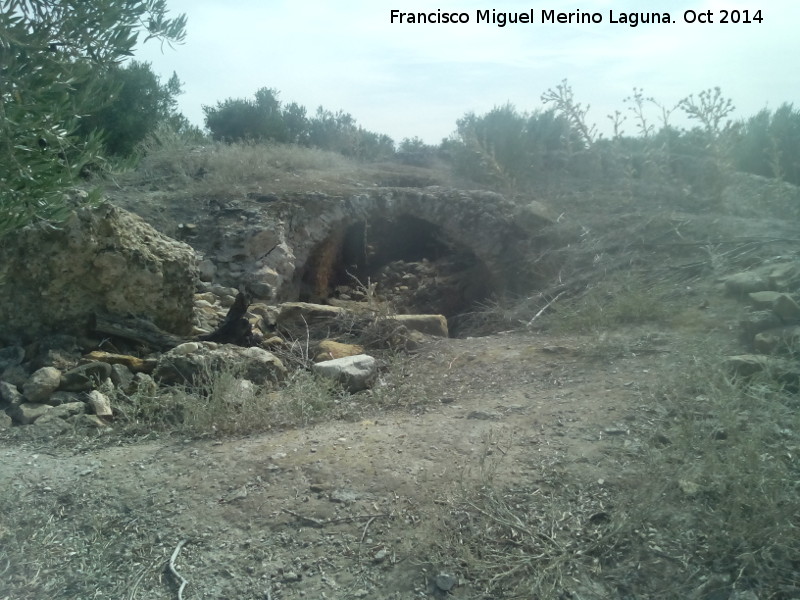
pixel 417 80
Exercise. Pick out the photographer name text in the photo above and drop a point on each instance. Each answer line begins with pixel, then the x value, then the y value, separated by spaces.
pixel 552 17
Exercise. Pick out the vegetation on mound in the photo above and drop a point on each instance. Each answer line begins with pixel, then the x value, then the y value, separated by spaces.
pixel 70 109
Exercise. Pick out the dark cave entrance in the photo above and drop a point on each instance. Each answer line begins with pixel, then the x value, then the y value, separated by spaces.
pixel 411 262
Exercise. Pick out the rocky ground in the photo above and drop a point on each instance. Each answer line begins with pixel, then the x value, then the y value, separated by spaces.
pixel 339 509
pixel 591 440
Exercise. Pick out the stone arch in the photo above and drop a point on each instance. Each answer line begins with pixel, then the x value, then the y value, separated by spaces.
pixel 353 238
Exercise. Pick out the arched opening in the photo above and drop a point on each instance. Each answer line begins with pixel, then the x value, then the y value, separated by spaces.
pixel 405 261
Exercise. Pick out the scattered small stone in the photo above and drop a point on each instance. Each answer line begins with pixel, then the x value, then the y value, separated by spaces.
pixel 746 282
pixel 239 493
pixel 122 378
pixel 41 385
pixel 661 440
pixel 782 304
pixel 58 398
pixel 435 325
pixel 10 394
pixel 615 431
pixel 355 373
pixel 482 416
pixel 758 321
pixel 380 555
pixel 786 308
pixel 446 581
pixel 344 496
pixel 187 362
pixel 689 488
pixel 89 422
pixel 100 404
pixel 331 350
pixel 67 410
pixel 133 363
pixel 27 412
pixel 49 425
pixel 15 375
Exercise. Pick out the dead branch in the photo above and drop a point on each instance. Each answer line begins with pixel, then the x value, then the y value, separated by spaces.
pixel 544 308
pixel 135 329
pixel 311 520
pixel 174 572
pixel 364 533
pixel 322 523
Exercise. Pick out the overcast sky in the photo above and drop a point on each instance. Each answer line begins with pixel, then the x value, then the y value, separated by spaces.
pixel 411 80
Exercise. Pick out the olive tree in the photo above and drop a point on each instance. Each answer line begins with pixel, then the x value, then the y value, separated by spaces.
pixel 54 55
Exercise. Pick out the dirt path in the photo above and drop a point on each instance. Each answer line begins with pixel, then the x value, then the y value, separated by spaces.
pixel 337 510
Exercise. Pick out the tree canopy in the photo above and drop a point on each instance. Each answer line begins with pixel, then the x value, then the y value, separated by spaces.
pixel 54 59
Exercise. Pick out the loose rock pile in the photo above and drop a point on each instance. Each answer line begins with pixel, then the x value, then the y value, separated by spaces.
pixel 772 329
pixel 57 382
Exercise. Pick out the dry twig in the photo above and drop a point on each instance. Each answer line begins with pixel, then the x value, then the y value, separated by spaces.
pixel 174 572
pixel 321 523
pixel 544 308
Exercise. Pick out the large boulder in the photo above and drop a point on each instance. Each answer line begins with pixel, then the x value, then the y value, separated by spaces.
pixel 197 362
pixel 100 260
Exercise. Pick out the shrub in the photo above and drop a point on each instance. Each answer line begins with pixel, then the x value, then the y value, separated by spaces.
pixel 769 144
pixel 235 120
pixel 139 103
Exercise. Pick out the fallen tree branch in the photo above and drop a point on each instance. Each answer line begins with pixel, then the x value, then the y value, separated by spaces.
pixel 544 308
pixel 234 328
pixel 311 520
pixel 322 523
pixel 174 572
pixel 135 329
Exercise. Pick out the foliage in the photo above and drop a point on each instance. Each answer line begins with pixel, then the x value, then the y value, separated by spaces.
pixel 235 120
pixel 138 102
pixel 266 119
pixel 414 151
pixel 505 145
pixel 563 100
pixel 710 108
pixel 769 144
pixel 339 132
pixel 513 149
pixel 53 59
